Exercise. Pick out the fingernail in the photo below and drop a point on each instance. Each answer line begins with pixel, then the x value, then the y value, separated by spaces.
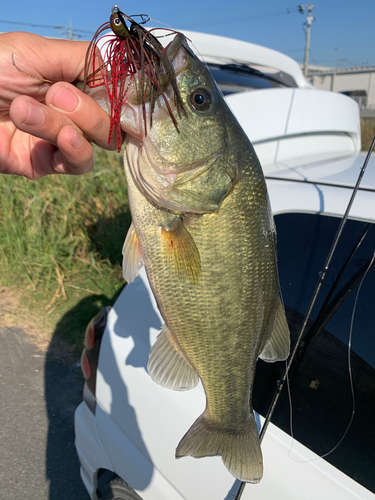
pixel 65 100
pixel 36 116
pixel 77 140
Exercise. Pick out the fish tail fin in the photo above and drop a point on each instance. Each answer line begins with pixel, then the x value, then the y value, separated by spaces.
pixel 239 449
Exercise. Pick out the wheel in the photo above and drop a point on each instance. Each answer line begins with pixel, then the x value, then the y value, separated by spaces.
pixel 112 487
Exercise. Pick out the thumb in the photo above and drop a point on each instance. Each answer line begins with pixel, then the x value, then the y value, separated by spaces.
pixel 44 58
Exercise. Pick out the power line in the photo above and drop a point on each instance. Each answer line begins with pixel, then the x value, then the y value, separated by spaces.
pixel 232 20
pixel 34 25
pixel 293 51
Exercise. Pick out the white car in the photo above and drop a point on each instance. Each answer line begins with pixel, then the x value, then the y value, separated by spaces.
pixel 127 427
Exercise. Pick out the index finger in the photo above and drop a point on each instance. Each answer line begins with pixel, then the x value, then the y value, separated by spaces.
pixel 84 111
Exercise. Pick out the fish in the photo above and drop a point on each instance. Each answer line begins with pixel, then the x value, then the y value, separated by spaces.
pixel 203 228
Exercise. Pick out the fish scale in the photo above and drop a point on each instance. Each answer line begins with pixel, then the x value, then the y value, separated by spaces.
pixel 211 266
pixel 216 306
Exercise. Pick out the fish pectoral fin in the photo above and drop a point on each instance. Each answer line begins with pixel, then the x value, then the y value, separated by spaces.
pixel 168 366
pixel 277 347
pixel 239 448
pixel 132 255
pixel 182 252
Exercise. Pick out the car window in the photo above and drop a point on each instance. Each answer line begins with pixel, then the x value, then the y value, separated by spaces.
pixel 319 377
pixel 232 78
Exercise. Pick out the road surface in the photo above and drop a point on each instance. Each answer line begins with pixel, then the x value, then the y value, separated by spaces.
pixel 38 396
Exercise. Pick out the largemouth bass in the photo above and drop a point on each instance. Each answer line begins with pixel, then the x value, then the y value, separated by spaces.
pixel 204 230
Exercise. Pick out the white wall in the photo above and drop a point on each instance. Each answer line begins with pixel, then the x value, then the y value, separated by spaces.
pixel 347 81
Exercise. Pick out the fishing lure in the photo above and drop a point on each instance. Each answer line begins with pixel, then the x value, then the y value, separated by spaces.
pixel 132 56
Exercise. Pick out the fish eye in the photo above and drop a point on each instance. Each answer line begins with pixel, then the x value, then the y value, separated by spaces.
pixel 200 99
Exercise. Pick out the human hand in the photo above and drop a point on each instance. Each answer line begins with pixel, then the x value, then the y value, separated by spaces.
pixel 42 126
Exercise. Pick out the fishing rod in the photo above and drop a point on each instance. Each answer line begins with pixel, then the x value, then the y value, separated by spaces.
pixel 322 274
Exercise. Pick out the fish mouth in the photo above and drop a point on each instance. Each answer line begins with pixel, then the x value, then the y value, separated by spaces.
pixel 178 53
pixel 138 109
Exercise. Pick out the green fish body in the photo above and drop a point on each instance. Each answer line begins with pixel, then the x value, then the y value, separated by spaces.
pixel 203 229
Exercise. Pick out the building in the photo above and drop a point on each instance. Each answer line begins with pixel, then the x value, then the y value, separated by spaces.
pixel 357 82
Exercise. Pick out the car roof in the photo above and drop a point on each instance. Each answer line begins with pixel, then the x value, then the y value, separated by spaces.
pixel 224 50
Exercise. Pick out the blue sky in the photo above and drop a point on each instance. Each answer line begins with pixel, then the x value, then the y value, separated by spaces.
pixel 342 34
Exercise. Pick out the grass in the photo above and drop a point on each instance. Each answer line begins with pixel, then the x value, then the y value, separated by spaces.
pixel 60 245
pixel 367 131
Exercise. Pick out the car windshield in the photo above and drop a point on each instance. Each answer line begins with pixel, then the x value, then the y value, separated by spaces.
pixel 232 78
pixel 321 393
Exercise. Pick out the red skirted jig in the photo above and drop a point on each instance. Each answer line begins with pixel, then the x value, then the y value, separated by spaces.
pixel 130 55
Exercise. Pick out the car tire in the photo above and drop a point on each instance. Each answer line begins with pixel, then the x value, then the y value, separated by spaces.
pixel 116 489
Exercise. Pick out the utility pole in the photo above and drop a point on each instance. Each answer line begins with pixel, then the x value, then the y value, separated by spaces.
pixel 70 30
pixel 309 21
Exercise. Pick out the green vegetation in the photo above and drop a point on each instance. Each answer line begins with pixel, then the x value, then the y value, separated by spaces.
pixel 60 244
pixel 367 131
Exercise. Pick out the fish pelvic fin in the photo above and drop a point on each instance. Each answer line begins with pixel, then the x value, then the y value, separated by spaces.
pixel 168 366
pixel 239 448
pixel 277 347
pixel 132 255
pixel 181 249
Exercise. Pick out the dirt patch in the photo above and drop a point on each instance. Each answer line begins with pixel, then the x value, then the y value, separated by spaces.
pixel 10 307
pixel 13 313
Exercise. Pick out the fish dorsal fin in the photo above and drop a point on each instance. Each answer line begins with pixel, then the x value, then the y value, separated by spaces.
pixel 168 366
pixel 182 252
pixel 278 345
pixel 132 255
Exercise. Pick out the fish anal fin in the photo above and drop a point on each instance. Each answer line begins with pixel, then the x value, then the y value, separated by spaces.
pixel 182 252
pixel 168 366
pixel 132 255
pixel 239 448
pixel 277 347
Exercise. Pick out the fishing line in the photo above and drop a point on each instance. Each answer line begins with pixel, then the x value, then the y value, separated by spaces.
pixel 163 25
pixel 350 379
pixel 317 289
pixel 349 358
pixel 167 26
pixel 290 405
pixel 312 303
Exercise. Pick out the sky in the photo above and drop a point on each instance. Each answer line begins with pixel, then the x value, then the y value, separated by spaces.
pixel 342 34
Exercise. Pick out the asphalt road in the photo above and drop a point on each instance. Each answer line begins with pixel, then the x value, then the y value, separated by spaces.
pixel 38 396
